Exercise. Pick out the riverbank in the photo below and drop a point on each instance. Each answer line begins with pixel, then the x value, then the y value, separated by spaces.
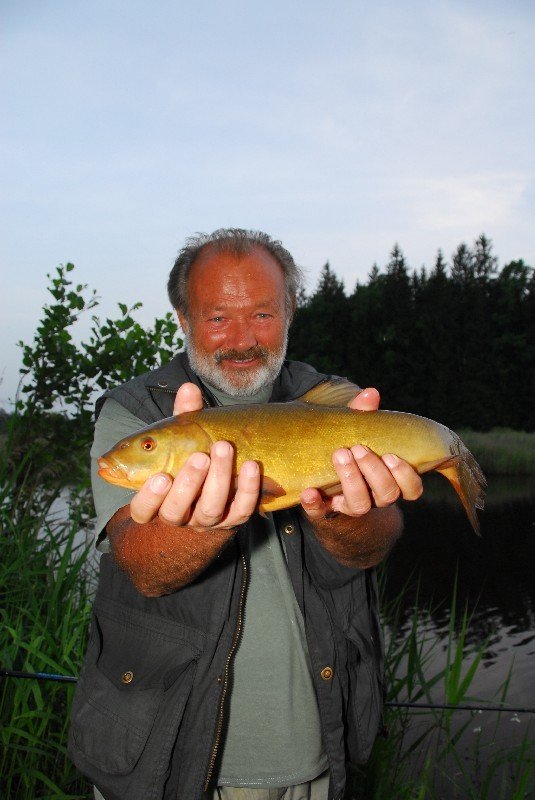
pixel 502 451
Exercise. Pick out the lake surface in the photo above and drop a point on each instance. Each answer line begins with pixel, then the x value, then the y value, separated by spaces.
pixel 495 580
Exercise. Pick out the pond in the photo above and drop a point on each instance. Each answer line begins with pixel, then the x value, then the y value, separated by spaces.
pixel 494 579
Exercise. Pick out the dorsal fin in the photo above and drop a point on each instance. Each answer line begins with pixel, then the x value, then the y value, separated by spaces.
pixel 334 392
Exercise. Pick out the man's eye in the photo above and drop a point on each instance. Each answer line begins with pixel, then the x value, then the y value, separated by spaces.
pixel 216 319
pixel 263 315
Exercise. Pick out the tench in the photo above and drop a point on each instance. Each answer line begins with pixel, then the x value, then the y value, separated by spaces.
pixel 293 444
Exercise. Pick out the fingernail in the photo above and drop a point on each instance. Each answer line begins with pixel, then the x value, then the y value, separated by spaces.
pixel 250 469
pixel 222 449
pixel 359 451
pixel 342 457
pixel 391 460
pixel 309 498
pixel 159 483
pixel 198 460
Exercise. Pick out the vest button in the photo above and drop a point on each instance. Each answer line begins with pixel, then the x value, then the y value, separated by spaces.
pixel 289 529
pixel 327 673
pixel 128 677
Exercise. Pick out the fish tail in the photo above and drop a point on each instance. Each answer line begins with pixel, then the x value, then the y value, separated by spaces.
pixel 466 477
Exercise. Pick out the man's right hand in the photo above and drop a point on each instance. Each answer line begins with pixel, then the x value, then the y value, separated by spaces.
pixel 201 494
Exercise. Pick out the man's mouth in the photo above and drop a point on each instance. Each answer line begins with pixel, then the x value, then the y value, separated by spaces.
pixel 242 359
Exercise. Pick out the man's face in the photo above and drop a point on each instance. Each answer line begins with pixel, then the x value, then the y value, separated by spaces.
pixel 237 324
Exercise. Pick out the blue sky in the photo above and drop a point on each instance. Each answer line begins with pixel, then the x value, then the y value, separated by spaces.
pixel 340 128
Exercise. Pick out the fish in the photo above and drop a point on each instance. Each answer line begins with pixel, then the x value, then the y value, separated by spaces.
pixel 293 443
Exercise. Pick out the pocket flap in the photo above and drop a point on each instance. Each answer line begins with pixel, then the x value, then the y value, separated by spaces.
pixel 109 740
pixel 137 652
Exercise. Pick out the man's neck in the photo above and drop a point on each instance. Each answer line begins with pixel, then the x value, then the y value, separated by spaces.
pixel 224 399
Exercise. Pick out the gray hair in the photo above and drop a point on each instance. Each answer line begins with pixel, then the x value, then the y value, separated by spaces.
pixel 238 242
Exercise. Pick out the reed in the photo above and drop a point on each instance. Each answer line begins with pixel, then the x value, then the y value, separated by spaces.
pixel 44 613
pixel 422 755
pixel 502 451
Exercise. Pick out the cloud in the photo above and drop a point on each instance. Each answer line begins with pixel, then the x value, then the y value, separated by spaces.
pixel 480 201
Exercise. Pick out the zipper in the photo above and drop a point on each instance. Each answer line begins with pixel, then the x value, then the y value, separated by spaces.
pixel 226 672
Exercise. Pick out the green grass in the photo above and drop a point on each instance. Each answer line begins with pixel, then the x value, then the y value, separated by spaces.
pixel 44 611
pixel 502 451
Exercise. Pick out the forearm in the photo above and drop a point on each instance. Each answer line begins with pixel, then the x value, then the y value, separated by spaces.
pixel 161 558
pixel 360 542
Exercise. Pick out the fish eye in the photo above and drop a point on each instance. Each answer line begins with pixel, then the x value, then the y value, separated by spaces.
pixel 148 444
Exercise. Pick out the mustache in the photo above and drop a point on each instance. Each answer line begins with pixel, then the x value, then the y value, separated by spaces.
pixel 241 355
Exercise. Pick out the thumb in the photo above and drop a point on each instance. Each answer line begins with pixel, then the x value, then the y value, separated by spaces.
pixel 188 398
pixel 367 400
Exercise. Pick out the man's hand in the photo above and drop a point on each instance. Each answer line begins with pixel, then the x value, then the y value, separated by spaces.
pixel 199 495
pixel 367 480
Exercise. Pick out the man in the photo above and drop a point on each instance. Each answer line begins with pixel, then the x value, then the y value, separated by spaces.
pixel 233 656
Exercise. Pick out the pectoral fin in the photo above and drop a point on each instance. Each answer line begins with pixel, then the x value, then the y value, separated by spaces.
pixel 330 491
pixel 270 489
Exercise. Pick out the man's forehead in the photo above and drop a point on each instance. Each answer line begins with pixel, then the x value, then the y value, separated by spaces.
pixel 214 252
pixel 225 267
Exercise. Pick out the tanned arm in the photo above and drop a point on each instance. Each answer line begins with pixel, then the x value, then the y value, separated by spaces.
pixel 360 542
pixel 161 558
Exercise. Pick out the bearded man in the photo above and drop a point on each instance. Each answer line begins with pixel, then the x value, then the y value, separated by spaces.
pixel 232 656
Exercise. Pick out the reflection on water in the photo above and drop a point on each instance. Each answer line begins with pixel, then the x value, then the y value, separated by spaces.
pixel 494 572
pixel 495 581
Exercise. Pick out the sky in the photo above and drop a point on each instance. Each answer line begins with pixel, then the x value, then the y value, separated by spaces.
pixel 340 128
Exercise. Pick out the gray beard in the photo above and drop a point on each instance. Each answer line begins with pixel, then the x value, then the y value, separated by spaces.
pixel 243 384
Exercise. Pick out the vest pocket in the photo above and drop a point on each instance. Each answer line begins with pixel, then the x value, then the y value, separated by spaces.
pixel 131 673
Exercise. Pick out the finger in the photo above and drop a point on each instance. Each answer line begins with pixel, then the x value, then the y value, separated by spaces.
pixel 188 398
pixel 214 498
pixel 367 400
pixel 176 507
pixel 355 499
pixel 145 504
pixel 246 498
pixel 314 505
pixel 408 480
pixel 381 482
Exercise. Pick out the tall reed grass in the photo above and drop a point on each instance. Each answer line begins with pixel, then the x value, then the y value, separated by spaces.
pixel 44 614
pixel 424 755
pixel 502 451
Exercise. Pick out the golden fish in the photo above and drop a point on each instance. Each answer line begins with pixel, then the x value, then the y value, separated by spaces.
pixel 293 445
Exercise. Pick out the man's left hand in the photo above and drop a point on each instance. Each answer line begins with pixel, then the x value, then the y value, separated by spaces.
pixel 367 480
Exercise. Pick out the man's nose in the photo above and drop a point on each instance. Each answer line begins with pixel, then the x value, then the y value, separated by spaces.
pixel 243 336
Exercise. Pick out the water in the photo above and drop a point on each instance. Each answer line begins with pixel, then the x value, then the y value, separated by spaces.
pixel 495 581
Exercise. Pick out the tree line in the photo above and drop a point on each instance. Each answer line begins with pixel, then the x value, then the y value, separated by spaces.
pixel 455 343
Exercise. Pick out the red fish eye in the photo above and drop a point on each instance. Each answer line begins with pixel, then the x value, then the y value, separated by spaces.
pixel 148 444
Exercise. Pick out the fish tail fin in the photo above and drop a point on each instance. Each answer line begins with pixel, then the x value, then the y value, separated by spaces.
pixel 466 477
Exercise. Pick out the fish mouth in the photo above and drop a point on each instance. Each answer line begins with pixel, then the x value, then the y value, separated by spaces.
pixel 112 472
